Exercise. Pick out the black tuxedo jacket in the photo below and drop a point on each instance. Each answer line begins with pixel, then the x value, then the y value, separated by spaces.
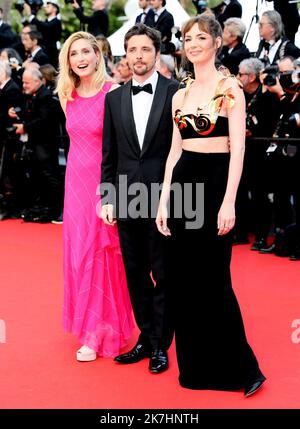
pixel 164 25
pixel 232 60
pixel 122 155
pixel 149 20
pixel 10 96
pixel 286 48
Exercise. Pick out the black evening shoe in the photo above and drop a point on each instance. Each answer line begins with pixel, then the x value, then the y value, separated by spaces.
pixel 140 351
pixel 268 250
pixel 254 386
pixel 159 361
pixel 258 244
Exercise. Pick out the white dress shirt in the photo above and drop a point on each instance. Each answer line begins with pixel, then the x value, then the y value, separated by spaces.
pixel 272 51
pixel 158 12
pixel 141 106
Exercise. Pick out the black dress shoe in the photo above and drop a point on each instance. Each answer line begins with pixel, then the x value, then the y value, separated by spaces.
pixel 258 244
pixel 295 256
pixel 139 352
pixel 268 250
pixel 254 386
pixel 158 361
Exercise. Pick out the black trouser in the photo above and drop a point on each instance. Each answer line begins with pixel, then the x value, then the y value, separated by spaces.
pixel 49 181
pixel 143 250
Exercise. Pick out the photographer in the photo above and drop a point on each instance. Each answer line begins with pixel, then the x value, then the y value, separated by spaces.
pixel 40 123
pixel 285 158
pixel 98 22
pixel 50 29
pixel 10 95
pixel 263 110
pixel 11 56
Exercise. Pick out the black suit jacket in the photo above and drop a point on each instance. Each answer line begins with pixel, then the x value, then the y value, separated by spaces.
pixel 10 96
pixel 122 155
pixel 97 22
pixel 232 60
pixel 149 20
pixel 41 124
pixel 51 32
pixel 6 36
pixel 41 58
pixel 232 10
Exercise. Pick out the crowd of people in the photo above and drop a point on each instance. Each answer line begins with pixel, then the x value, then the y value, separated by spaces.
pixel 205 112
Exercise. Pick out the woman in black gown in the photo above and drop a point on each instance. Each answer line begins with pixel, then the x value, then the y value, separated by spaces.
pixel 207 148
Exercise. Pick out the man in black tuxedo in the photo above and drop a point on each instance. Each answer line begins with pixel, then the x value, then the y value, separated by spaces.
pixel 274 45
pixel 163 22
pixel 147 16
pixel 290 17
pixel 137 136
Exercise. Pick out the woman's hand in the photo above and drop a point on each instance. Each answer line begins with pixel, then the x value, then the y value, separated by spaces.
pixel 226 218
pixel 161 220
pixel 107 214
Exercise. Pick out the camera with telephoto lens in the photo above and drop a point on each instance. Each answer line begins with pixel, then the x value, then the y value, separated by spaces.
pixel 272 73
pixel 35 5
pixel 287 79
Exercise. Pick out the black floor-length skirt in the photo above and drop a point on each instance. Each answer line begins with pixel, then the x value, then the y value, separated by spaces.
pixel 211 345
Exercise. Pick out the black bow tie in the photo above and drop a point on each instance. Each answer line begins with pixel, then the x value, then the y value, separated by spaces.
pixel 146 88
pixel 267 46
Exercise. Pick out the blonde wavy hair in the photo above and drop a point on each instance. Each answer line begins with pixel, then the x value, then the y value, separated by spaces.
pixel 67 80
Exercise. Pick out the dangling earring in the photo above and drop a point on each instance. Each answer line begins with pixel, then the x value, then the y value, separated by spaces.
pixel 97 64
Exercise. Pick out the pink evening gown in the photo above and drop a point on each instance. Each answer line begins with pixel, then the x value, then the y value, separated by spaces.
pixel 96 301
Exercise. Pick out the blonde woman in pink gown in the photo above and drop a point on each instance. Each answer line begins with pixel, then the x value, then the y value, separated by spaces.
pixel 96 303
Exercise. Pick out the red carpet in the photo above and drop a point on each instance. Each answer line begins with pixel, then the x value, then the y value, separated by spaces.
pixel 37 361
